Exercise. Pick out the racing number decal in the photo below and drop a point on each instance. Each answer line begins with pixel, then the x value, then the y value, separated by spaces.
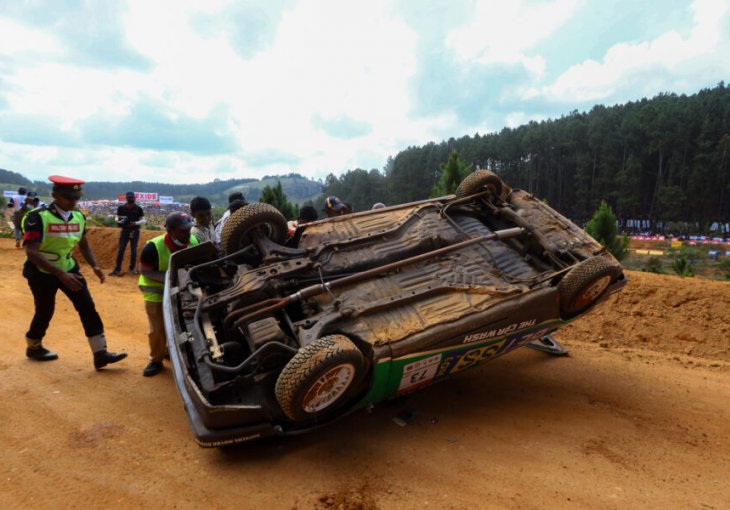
pixel 418 374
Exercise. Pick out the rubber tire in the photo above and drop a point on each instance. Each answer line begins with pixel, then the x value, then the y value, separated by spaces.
pixel 236 232
pixel 305 369
pixel 475 182
pixel 584 285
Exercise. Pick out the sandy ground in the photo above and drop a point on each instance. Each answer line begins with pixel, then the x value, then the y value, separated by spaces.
pixel 637 417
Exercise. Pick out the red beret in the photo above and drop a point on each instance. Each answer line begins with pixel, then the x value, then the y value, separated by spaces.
pixel 60 180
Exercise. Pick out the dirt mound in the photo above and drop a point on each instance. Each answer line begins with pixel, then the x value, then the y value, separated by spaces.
pixel 105 243
pixel 669 314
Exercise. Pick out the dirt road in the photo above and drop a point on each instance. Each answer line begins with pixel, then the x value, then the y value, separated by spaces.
pixel 637 417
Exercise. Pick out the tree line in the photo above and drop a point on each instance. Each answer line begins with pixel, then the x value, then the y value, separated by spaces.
pixel 665 159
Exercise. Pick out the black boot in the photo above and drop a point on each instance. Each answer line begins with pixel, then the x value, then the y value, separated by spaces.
pixel 40 354
pixel 104 358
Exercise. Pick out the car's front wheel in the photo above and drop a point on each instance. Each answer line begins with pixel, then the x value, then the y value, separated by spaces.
pixel 584 285
pixel 250 220
pixel 320 378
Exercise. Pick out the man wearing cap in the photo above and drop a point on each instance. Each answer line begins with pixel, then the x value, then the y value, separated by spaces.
pixel 153 263
pixel 130 217
pixel 333 206
pixel 50 234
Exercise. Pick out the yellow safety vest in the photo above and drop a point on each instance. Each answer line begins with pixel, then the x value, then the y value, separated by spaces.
pixel 59 237
pixel 152 290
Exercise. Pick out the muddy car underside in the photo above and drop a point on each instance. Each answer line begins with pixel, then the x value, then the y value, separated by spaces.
pixel 375 285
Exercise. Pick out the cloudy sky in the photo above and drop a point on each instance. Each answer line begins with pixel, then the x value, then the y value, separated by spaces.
pixel 190 91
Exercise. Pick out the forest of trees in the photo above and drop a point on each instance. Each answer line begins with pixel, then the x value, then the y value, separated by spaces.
pixel 665 159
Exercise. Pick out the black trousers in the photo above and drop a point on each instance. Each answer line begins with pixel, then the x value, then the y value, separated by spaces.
pixel 127 236
pixel 44 287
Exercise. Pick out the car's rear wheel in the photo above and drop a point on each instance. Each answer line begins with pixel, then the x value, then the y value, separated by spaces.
pixel 479 181
pixel 250 220
pixel 584 285
pixel 320 378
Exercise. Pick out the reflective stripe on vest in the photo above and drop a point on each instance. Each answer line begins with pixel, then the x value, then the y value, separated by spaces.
pixel 59 238
pixel 152 290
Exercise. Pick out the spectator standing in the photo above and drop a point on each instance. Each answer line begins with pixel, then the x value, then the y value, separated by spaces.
pixel 24 208
pixel 307 214
pixel 202 212
pixel 51 233
pixel 153 263
pixel 233 197
pixel 130 217
pixel 9 211
pixel 333 206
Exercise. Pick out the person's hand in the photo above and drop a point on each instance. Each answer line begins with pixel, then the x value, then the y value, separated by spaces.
pixel 72 281
pixel 99 274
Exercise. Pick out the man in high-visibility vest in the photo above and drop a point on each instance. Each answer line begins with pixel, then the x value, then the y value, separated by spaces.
pixel 153 264
pixel 50 234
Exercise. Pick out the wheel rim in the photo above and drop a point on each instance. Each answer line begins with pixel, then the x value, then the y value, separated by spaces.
pixel 328 388
pixel 592 291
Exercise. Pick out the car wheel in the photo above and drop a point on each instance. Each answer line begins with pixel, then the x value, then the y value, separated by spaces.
pixel 243 224
pixel 319 379
pixel 481 180
pixel 584 284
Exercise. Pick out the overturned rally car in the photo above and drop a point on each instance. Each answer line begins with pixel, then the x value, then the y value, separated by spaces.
pixel 279 336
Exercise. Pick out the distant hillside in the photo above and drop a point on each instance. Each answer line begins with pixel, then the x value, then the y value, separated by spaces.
pixel 298 188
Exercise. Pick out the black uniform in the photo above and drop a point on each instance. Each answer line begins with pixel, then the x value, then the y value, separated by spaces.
pixel 126 214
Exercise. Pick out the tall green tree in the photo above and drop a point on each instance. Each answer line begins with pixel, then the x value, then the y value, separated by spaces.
pixel 602 227
pixel 452 173
pixel 276 197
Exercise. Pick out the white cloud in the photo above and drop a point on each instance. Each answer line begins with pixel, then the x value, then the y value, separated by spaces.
pixel 504 32
pixel 631 69
pixel 16 39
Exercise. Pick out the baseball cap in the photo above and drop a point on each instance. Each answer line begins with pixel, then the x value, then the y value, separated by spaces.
pixel 32 194
pixel 334 203
pixel 178 220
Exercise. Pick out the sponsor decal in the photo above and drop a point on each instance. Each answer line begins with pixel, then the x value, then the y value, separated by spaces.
pixel 497 332
pixel 418 374
pixel 456 361
pixel 62 228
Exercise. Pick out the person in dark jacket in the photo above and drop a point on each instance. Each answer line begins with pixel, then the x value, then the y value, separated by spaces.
pixel 130 217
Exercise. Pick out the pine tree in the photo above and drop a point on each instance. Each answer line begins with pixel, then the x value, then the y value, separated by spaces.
pixel 452 173
pixel 602 227
pixel 277 198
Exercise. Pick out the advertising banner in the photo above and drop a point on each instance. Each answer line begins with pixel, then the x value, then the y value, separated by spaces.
pixel 140 197
pixel 165 200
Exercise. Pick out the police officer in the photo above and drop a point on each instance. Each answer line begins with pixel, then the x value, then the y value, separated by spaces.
pixel 50 234
pixel 130 217
pixel 153 263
